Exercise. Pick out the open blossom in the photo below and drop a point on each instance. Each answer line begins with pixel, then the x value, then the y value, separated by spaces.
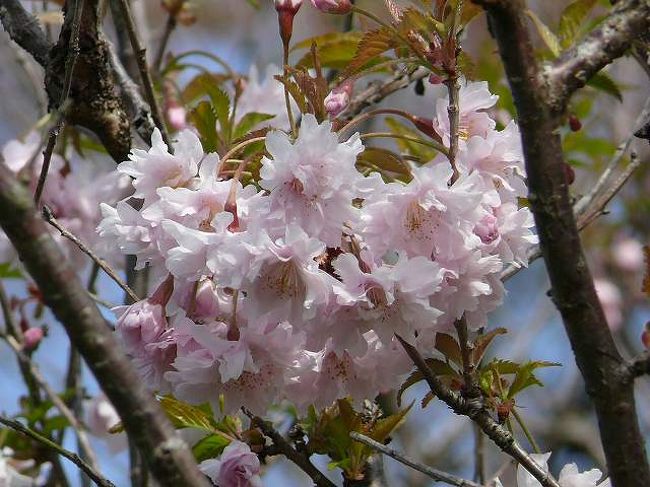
pixel 264 94
pixel 157 167
pixel 312 181
pixel 474 99
pixel 236 467
pixel 569 475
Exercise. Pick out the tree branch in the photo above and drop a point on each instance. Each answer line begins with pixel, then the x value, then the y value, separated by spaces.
pixel 73 457
pixel 435 474
pixel 167 455
pixel 609 41
pixel 24 30
pixel 639 365
pixel 289 451
pixel 474 410
pixel 573 292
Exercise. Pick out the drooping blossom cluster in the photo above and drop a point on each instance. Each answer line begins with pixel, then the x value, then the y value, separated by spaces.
pixel 73 190
pixel 294 288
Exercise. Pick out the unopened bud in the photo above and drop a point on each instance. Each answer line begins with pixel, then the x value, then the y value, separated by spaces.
pixel 569 173
pixel 32 337
pixel 333 6
pixel 574 123
pixel 339 98
pixel 287 10
pixel 645 336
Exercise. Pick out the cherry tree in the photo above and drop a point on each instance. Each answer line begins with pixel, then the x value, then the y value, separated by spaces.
pixel 290 273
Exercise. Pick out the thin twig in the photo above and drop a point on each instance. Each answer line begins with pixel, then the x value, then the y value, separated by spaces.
pixel 70 62
pixel 48 216
pixel 56 400
pixel 391 135
pixel 73 457
pixel 143 67
pixel 435 474
pixel 170 25
pixel 289 451
pixel 477 413
pixel 640 365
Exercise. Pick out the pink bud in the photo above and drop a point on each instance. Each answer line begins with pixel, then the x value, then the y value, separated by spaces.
pixel 338 99
pixel 487 229
pixel 177 116
pixel 333 6
pixel 33 337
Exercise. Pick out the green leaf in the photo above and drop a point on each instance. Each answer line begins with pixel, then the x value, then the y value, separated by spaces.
pixel 448 346
pixel 248 122
pixel 605 83
pixel 415 377
pixel 525 377
pixel 205 121
pixel 424 153
pixel 385 426
pixel 372 45
pixel 336 50
pixel 210 447
pixel 195 89
pixel 384 160
pixel 220 104
pixel 183 415
pixel 572 20
pixel 7 271
pixel 551 41
pixel 482 342
pixel 254 3
pixel 55 423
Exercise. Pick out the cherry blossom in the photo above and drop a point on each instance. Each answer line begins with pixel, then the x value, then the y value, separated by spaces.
pixel 236 467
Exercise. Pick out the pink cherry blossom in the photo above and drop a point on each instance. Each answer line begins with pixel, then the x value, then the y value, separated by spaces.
pixel 312 181
pixel 236 467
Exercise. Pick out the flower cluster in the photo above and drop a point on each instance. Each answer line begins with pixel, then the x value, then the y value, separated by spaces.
pixel 73 190
pixel 294 288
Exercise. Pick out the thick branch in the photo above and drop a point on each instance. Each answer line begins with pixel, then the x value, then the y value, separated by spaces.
pixel 609 41
pixel 24 30
pixel 572 285
pixel 167 455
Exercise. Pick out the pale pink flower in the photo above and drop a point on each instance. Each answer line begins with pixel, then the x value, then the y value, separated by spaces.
pixel 156 167
pixel 569 475
pixel 236 467
pixel 100 416
pixel 474 99
pixel 265 94
pixel 312 181
pixel 628 255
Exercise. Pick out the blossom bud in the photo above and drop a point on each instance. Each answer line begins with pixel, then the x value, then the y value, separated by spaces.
pixel 487 229
pixel 333 6
pixel 574 123
pixel 287 10
pixel 32 337
pixel 569 173
pixel 645 336
pixel 338 99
